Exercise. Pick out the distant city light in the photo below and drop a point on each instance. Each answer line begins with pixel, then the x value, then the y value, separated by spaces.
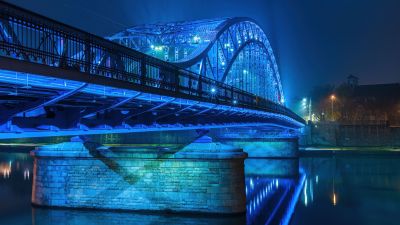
pixel 213 90
pixel 333 97
pixel 235 102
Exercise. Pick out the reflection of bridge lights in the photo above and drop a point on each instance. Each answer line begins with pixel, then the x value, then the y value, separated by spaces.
pixel 334 201
pixel 245 72
pixel 5 169
pixel 305 194
pixel 26 174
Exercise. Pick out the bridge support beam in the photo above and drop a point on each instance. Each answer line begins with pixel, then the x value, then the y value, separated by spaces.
pixel 202 177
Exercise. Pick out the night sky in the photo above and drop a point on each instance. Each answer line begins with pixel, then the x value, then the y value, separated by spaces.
pixel 315 41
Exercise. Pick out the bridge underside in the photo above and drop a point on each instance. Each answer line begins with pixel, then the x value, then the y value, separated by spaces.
pixel 35 105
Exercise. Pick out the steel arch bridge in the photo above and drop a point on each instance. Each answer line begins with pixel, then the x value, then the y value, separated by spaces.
pixel 57 80
pixel 234 51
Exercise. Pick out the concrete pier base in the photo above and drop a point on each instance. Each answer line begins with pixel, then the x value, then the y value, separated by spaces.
pixel 288 167
pixel 202 177
pixel 269 156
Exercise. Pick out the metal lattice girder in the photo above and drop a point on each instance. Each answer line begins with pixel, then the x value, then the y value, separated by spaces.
pixel 59 57
pixel 235 51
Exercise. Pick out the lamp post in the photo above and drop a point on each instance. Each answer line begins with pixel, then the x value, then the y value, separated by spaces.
pixel 333 98
pixel 304 108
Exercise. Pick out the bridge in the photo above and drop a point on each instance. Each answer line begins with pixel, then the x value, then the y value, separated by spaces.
pixel 56 80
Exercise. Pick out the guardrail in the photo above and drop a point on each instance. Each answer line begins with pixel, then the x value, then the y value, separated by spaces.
pixel 28 36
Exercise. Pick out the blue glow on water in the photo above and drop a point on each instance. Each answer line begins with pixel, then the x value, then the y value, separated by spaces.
pixel 271 200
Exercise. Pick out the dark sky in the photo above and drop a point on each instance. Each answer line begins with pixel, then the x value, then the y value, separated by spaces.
pixel 315 41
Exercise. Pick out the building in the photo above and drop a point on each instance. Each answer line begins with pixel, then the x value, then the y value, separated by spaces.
pixel 372 104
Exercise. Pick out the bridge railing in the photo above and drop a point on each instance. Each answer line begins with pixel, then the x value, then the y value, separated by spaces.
pixel 28 36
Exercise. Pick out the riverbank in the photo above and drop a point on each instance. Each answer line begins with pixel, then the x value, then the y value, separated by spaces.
pixel 347 151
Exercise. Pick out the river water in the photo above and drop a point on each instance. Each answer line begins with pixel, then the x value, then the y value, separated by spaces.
pixel 329 190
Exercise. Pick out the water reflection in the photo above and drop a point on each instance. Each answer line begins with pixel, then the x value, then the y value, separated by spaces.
pixel 10 165
pixel 270 200
pixel 354 189
pixel 5 169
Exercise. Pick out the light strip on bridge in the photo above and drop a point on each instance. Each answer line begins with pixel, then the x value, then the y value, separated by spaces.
pixel 32 133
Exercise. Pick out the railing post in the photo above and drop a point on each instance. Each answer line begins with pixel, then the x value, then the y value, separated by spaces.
pixel 200 86
pixel 142 71
pixel 177 81
pixel 87 55
pixel 190 85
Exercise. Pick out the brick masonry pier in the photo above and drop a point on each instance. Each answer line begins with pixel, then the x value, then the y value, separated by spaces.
pixel 204 177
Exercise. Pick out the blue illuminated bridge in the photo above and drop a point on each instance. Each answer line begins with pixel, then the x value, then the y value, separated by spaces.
pixel 57 80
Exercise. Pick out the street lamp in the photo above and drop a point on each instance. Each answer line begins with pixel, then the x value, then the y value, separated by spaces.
pixel 333 98
pixel 306 103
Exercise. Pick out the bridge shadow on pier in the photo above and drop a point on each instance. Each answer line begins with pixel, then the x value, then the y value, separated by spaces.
pixel 128 177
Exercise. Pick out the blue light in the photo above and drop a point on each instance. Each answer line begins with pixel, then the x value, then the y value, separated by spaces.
pixel 196 39
pixel 213 90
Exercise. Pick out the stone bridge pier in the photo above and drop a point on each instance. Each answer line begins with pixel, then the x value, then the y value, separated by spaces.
pixel 204 176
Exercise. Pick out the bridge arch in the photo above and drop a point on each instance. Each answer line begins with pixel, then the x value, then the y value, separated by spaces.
pixel 213 48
